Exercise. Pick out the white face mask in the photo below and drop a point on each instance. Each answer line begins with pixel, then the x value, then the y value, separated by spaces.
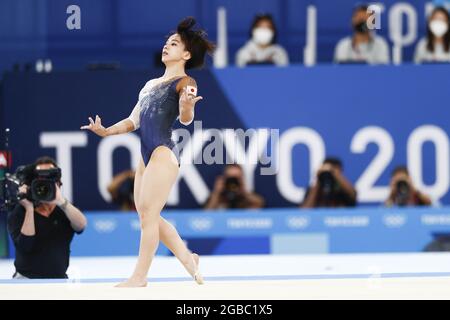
pixel 438 27
pixel 262 36
pixel 363 47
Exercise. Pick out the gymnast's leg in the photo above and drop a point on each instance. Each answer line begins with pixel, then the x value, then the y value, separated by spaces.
pixel 155 185
pixel 172 240
pixel 169 235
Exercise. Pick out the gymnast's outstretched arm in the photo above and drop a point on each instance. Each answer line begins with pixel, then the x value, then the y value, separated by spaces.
pixel 124 126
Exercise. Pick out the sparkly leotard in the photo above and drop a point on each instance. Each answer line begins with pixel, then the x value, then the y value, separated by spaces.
pixel 155 114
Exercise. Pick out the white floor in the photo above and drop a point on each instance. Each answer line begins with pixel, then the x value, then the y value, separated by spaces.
pixel 349 276
pixel 259 265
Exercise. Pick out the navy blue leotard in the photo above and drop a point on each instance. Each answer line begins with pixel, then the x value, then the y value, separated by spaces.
pixel 155 114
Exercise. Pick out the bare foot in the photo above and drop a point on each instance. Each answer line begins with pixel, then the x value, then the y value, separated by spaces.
pixel 132 283
pixel 196 275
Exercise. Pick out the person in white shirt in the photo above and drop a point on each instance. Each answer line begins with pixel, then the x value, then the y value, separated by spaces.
pixel 262 47
pixel 435 47
pixel 363 46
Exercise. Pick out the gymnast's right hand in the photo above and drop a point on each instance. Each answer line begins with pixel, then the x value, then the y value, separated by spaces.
pixel 96 127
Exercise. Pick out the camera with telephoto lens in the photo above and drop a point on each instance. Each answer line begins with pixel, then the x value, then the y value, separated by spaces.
pixel 42 186
pixel 327 183
pixel 125 192
pixel 403 193
pixel 232 191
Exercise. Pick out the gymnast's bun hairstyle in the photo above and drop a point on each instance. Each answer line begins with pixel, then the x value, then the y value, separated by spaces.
pixel 195 41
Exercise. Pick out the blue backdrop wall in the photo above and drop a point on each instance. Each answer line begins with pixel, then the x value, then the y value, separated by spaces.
pixel 374 118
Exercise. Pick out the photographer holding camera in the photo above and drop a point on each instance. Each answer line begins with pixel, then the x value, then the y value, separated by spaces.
pixel 121 190
pixel 43 230
pixel 403 193
pixel 331 188
pixel 230 191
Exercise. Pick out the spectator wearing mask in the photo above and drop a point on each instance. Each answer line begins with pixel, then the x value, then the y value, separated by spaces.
pixel 331 188
pixel 435 47
pixel 230 191
pixel 363 46
pixel 262 47
pixel 403 193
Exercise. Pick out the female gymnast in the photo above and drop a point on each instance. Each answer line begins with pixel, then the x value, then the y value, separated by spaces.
pixel 161 102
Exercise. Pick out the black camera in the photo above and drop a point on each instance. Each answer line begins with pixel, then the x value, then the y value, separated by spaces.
pixel 232 191
pixel 403 193
pixel 327 183
pixel 125 192
pixel 41 184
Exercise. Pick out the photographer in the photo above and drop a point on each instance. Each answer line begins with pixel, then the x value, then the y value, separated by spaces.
pixel 42 231
pixel 230 191
pixel 331 188
pixel 403 192
pixel 121 190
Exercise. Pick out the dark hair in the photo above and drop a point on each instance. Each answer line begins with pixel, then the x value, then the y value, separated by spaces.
pixel 430 35
pixel 334 161
pixel 45 160
pixel 195 41
pixel 264 16
pixel 360 7
pixel 233 165
pixel 399 169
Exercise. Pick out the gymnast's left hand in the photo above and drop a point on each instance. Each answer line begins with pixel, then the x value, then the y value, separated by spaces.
pixel 96 127
pixel 188 101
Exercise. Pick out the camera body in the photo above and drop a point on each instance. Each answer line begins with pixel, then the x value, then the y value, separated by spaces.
pixel 125 192
pixel 403 193
pixel 232 191
pixel 327 183
pixel 41 184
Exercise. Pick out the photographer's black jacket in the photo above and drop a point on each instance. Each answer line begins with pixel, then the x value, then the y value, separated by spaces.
pixel 46 254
